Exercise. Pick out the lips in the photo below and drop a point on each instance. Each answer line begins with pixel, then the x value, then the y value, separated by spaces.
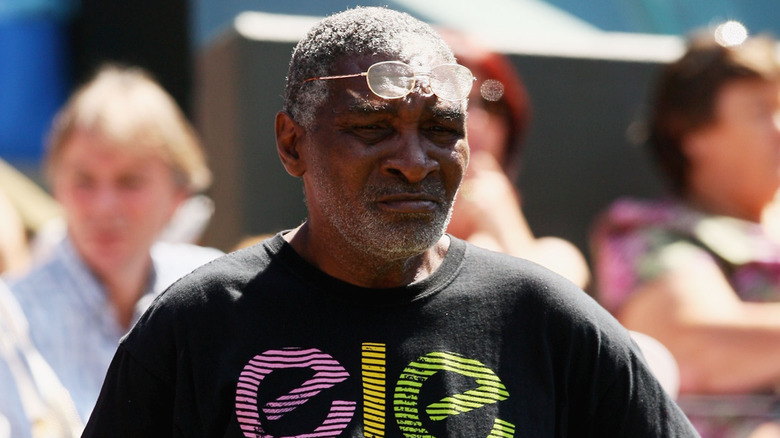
pixel 409 203
pixel 105 235
pixel 106 240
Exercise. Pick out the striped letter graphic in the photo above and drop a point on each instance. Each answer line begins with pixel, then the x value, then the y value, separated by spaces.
pixel 328 373
pixel 373 390
pixel 405 399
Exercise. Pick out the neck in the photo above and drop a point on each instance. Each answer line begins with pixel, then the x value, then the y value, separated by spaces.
pixel 360 267
pixel 124 288
pixel 720 203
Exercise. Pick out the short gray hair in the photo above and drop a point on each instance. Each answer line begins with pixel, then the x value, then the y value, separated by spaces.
pixel 354 32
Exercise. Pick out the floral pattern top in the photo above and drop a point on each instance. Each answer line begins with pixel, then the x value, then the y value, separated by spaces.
pixel 635 241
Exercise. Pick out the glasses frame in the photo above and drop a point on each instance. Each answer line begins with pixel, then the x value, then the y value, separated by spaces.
pixel 416 75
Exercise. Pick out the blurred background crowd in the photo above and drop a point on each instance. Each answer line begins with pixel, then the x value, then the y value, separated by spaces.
pixel 633 146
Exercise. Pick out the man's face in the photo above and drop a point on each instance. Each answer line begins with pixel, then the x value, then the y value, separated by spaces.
pixel 742 145
pixel 116 202
pixel 381 174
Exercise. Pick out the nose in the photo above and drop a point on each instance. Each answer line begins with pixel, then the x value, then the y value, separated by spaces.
pixel 410 159
pixel 105 200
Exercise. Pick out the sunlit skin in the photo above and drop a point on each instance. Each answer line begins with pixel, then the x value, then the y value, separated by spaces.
pixel 380 177
pixel 116 202
pixel 735 161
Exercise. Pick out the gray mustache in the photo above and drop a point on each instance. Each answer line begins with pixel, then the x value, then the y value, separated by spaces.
pixel 431 188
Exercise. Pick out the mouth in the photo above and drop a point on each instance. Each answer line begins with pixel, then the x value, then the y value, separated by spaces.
pixel 106 240
pixel 409 203
pixel 105 236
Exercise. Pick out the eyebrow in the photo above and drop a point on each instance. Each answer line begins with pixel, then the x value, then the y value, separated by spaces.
pixel 449 112
pixel 368 106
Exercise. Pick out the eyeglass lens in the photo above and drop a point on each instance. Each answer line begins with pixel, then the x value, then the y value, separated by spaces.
pixel 451 81
pixel 390 80
pixel 393 79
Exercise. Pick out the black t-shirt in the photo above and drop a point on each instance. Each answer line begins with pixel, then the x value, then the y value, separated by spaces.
pixel 259 343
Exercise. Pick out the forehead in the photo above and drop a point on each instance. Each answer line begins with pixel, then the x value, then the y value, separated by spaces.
pixel 747 92
pixel 355 95
pixel 85 149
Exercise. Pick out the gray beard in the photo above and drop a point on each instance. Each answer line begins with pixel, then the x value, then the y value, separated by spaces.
pixel 369 230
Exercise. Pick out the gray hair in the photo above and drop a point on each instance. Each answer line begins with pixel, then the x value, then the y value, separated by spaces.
pixel 354 32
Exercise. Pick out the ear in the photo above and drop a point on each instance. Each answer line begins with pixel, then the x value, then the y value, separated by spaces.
pixel 289 136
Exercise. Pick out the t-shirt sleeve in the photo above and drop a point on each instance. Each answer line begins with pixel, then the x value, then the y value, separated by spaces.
pixel 132 403
pixel 634 405
pixel 605 388
pixel 630 401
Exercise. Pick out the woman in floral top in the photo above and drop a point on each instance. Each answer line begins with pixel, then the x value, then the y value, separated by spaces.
pixel 701 271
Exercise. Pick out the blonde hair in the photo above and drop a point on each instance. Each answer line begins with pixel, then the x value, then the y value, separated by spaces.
pixel 128 108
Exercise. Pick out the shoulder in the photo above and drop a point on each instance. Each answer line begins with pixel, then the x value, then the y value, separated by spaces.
pixel 564 319
pixel 216 276
pixel 525 282
pixel 56 271
pixel 649 219
pixel 194 302
pixel 45 273
pixel 183 253
pixel 499 269
pixel 629 240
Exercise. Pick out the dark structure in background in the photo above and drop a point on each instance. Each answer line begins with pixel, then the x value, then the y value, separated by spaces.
pixel 240 91
pixel 577 158
pixel 148 33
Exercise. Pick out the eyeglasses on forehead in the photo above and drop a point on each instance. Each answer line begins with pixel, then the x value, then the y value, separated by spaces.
pixel 395 79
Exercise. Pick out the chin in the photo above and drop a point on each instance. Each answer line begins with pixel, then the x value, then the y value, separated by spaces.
pixel 105 254
pixel 411 244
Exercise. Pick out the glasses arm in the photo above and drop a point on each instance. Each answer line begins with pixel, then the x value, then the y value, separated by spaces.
pixel 354 75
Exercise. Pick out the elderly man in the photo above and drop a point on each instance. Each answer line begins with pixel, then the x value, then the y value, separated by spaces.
pixel 368 320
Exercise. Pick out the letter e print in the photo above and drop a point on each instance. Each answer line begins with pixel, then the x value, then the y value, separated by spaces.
pixel 327 372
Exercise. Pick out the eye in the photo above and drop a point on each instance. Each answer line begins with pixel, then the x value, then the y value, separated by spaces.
pixel 369 128
pixel 371 132
pixel 131 182
pixel 443 134
pixel 82 181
